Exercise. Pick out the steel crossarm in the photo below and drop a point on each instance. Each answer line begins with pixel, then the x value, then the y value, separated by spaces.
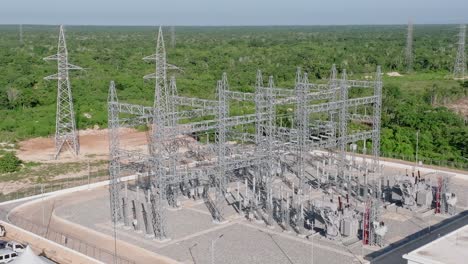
pixel 350 138
pixel 313 86
pixel 238 161
pixel 133 109
pixel 325 107
pixel 313 96
pixel 148 112
pixel 212 124
pixel 240 96
pixel 361 84
pixel 330 143
pixel 203 172
pixel 361 118
pixel 322 95
pixel 285 96
pixel 195 102
pixel 351 83
pixel 279 92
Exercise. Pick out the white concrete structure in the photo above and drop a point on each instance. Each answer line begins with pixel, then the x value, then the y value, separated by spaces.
pixel 449 249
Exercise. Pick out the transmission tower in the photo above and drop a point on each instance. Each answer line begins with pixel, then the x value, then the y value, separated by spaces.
pixel 376 123
pixel 302 126
pixel 160 145
pixel 460 62
pixel 343 121
pixel 409 48
pixel 114 165
pixel 65 127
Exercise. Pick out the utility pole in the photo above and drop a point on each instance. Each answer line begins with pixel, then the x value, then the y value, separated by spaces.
pixel 459 69
pixel 409 47
pixel 65 127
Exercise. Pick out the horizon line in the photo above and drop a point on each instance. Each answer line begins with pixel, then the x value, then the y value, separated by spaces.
pixel 223 25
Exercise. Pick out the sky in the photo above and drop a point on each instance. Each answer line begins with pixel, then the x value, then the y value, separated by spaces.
pixel 232 12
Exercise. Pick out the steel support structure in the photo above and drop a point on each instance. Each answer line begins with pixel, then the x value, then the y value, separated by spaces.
pixel 302 128
pixel 273 143
pixel 343 124
pixel 334 85
pixel 220 178
pixel 114 157
pixel 160 145
pixel 65 123
pixel 265 118
pixel 376 123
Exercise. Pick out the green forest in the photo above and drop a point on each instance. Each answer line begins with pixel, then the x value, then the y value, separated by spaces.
pixel 417 101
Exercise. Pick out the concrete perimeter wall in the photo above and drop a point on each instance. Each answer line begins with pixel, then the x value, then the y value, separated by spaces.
pixel 52 250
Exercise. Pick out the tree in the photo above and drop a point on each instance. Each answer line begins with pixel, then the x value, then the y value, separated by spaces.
pixel 9 163
pixel 12 95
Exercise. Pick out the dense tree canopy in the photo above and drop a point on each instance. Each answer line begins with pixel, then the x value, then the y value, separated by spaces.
pixel 9 163
pixel 411 103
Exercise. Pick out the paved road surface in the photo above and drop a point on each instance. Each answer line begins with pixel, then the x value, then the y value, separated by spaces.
pixel 396 256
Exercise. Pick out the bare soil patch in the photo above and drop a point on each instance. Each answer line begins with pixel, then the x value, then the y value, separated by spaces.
pixel 93 145
pixel 460 107
pixel 394 74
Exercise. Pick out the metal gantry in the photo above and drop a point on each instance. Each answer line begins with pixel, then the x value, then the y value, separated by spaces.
pixel 376 122
pixel 65 124
pixel 459 70
pixel 114 158
pixel 269 146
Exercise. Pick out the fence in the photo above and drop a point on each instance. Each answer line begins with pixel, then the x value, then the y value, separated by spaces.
pixel 66 240
pixel 56 185
pixel 428 161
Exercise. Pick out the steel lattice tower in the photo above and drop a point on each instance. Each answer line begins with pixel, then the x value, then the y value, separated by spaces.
pixel 259 109
pixel 343 122
pixel 221 151
pixel 265 116
pixel 333 85
pixel 161 122
pixel 376 122
pixel 65 127
pixel 270 131
pixel 409 48
pixel 302 126
pixel 114 143
pixel 260 139
pixel 459 69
